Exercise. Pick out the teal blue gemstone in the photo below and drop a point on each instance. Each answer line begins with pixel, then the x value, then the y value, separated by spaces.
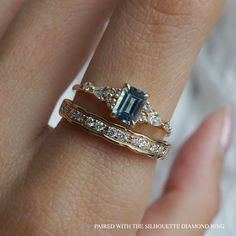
pixel 129 105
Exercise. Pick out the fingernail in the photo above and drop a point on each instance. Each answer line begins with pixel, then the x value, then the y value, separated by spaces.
pixel 227 128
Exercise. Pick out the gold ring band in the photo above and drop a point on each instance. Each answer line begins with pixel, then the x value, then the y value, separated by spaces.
pixel 113 132
pixel 128 104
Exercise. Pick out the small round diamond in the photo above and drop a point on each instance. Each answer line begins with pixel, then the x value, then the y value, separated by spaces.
pixel 147 108
pixel 101 92
pixel 79 116
pixel 144 144
pixel 112 132
pixel 112 92
pixel 90 122
pixel 163 150
pixel 167 127
pixel 72 113
pixel 143 118
pixel 65 107
pixel 154 148
pixel 154 119
pixel 135 141
pixel 87 86
pixel 117 92
pixel 111 102
pixel 99 126
pixel 121 136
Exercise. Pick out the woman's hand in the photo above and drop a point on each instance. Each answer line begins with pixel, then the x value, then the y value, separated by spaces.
pixel 63 181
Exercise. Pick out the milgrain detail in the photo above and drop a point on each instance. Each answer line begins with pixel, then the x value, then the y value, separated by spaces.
pixel 115 133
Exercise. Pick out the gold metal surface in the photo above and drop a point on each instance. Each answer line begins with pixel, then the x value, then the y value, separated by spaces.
pixel 114 133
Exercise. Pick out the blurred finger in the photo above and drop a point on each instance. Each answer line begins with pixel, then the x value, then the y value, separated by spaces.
pixel 192 194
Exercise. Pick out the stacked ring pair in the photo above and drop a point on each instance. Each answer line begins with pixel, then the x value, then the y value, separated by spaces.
pixel 130 106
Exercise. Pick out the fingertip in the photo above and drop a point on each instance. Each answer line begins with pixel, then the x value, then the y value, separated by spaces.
pixel 200 159
pixel 192 193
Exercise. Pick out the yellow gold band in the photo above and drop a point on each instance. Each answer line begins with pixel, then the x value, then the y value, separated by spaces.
pixel 113 132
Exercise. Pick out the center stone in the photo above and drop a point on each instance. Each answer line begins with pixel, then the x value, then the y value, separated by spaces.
pixel 129 104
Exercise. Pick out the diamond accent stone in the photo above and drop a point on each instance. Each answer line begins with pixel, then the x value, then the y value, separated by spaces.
pixel 111 102
pixel 167 127
pixel 90 122
pixel 87 86
pixel 154 119
pixel 112 132
pixel 154 148
pixel 135 141
pixel 72 113
pixel 79 116
pixel 117 92
pixel 147 107
pixel 143 118
pixel 65 107
pixel 99 126
pixel 122 136
pixel 101 92
pixel 129 105
pixel 163 150
pixel 144 144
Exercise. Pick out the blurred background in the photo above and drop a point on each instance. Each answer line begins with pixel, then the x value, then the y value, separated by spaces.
pixel 212 85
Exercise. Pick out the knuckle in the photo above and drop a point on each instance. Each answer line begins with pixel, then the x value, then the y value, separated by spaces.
pixel 170 8
pixel 151 20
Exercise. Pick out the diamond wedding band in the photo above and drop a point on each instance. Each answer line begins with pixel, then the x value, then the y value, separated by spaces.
pixel 113 132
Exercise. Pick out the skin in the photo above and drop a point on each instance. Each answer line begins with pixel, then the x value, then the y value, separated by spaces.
pixel 63 181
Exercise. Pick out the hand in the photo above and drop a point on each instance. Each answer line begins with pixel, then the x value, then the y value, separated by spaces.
pixel 63 181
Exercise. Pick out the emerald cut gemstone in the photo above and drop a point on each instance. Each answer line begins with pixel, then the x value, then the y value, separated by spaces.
pixel 129 104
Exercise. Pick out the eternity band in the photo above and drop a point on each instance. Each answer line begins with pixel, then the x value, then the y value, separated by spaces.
pixel 128 104
pixel 113 132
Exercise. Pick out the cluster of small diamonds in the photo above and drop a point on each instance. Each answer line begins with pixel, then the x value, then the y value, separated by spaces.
pixel 148 115
pixel 107 94
pixel 114 133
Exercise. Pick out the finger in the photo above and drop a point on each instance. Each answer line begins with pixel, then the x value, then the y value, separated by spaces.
pixel 192 192
pixel 8 9
pixel 40 54
pixel 142 46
